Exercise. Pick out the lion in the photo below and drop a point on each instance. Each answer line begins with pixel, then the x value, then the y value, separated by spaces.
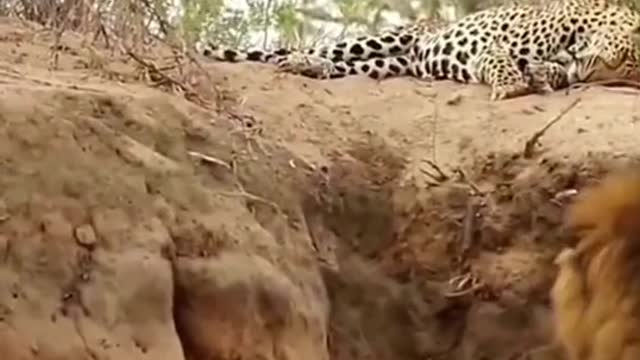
pixel 596 294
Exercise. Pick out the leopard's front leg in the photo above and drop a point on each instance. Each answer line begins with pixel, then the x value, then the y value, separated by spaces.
pixel 496 68
pixel 546 76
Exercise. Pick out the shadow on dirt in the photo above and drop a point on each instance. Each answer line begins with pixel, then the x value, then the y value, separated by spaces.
pixel 397 246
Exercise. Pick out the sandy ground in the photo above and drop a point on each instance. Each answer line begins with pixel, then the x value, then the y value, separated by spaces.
pixel 298 219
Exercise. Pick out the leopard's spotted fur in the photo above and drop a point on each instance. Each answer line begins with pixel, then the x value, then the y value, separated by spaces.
pixel 512 48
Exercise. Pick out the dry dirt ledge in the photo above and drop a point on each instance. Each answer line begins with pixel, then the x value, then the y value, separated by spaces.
pixel 316 234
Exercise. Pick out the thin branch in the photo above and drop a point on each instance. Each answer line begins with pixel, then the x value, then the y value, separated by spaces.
pixel 529 146
pixel 469 226
pixel 190 94
pixel 475 190
pixel 440 176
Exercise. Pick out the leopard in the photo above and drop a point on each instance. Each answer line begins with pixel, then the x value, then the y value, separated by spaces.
pixel 338 60
pixel 515 49
pixel 607 56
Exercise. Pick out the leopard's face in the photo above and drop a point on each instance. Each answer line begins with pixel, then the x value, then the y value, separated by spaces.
pixel 612 53
pixel 593 67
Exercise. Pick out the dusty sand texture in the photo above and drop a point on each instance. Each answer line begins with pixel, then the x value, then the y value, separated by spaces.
pixel 317 231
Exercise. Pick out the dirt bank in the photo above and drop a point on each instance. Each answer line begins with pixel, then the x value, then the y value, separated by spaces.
pixel 295 219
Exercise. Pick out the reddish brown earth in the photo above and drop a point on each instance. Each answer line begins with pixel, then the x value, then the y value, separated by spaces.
pixel 316 229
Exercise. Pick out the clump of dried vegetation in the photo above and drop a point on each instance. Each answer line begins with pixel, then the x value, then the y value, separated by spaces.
pixel 135 31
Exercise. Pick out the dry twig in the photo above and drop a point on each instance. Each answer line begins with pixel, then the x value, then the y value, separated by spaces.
pixel 209 159
pixel 530 145
pixel 241 190
pixel 475 190
pixel 189 93
pixel 463 284
pixel 469 226
pixel 439 176
pixel 243 193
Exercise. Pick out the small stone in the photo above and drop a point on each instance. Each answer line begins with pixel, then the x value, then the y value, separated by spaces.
pixel 539 108
pixel 455 99
pixel 85 235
